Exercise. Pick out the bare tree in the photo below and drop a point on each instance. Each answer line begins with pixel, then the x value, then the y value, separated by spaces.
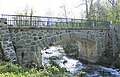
pixel 63 7
pixel 26 10
pixel 112 2
pixel 88 4
pixel 22 19
pixel 49 13
pixel 87 12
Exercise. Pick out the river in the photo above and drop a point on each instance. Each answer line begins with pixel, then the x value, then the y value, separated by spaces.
pixel 57 55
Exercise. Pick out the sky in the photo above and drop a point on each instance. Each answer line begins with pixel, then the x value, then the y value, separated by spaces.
pixel 44 7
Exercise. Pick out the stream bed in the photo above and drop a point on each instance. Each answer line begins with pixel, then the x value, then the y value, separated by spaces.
pixel 57 55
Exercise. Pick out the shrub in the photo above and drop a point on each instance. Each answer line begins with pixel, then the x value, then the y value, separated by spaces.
pixel 8 69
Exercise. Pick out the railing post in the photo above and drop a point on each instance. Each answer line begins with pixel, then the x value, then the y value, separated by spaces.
pixel 110 25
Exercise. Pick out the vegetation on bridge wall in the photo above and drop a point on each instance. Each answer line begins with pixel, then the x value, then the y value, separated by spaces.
pixel 110 60
pixel 70 47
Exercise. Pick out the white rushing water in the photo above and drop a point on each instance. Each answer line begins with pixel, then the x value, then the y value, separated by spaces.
pixel 72 65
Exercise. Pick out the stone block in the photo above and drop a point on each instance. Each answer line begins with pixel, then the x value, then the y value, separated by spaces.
pixel 1 32
pixel 5 42
pixel 32 48
pixel 6 39
pixel 1 38
pixel 49 39
pixel 41 45
pixel 24 33
pixel 6 35
pixel 25 37
pixel 33 43
pixel 17 39
pixel 10 45
pixel 18 34
pixel 28 41
pixel 13 54
pixel 34 34
pixel 28 33
pixel 27 46
pixel 21 42
pixel 35 38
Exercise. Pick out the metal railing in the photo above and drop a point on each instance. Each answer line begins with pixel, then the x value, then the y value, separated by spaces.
pixel 40 21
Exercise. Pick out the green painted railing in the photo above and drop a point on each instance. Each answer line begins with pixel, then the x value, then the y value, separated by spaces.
pixel 56 22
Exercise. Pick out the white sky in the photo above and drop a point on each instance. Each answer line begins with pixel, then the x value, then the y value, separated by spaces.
pixel 40 7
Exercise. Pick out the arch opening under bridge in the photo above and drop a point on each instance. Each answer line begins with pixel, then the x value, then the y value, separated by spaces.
pixel 31 43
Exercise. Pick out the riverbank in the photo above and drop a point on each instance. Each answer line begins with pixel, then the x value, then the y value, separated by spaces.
pixel 8 69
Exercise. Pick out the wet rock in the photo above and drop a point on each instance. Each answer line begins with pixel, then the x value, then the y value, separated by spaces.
pixel 48 52
pixel 54 58
pixel 65 61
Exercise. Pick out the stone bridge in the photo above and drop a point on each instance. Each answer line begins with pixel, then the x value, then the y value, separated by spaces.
pixel 24 43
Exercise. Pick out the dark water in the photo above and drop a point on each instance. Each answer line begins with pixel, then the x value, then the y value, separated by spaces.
pixel 73 66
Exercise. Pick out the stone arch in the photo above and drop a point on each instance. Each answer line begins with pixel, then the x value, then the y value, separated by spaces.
pixel 87 44
pixel 87 50
pixel 48 40
pixel 32 45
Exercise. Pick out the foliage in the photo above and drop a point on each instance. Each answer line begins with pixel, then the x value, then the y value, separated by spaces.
pixel 65 42
pixel 25 19
pixel 80 74
pixel 104 10
pixel 70 47
pixel 8 69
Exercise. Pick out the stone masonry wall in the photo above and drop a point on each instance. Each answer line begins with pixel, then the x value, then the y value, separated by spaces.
pixel 87 51
pixel 28 43
pixel 6 42
pixel 92 50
